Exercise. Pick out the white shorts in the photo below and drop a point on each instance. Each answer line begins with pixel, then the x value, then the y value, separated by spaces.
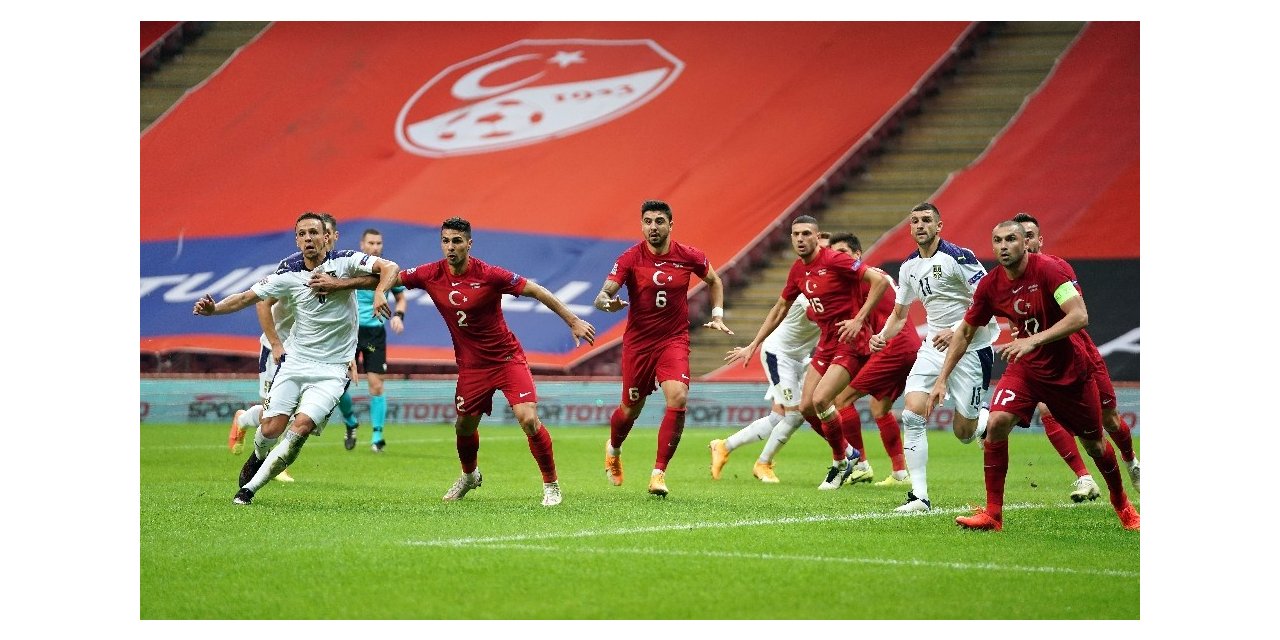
pixel 311 388
pixel 785 376
pixel 266 371
pixel 969 379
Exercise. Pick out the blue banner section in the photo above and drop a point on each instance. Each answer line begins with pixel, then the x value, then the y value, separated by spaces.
pixel 174 274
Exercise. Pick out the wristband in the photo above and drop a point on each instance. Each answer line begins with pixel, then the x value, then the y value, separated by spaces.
pixel 400 314
pixel 717 312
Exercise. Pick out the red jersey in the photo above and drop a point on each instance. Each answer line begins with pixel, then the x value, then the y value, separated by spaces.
pixel 1082 336
pixel 657 292
pixel 1029 305
pixel 832 284
pixel 471 305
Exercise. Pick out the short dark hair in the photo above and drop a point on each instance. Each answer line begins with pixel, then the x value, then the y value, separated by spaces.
pixel 656 205
pixel 847 238
pixel 457 224
pixel 1026 217
pixel 312 216
pixel 927 206
pixel 805 219
pixel 1015 225
pixel 370 232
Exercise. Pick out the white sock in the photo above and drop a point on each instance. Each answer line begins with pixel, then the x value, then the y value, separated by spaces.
pixel 915 447
pixel 251 418
pixel 782 431
pixel 281 456
pixel 758 430
pixel 263 444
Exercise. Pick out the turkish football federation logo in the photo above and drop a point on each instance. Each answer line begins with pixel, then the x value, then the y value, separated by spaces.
pixel 531 91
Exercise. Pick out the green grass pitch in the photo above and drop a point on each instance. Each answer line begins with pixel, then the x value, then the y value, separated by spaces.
pixel 365 536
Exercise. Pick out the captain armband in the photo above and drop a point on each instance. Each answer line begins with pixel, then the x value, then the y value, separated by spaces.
pixel 1065 292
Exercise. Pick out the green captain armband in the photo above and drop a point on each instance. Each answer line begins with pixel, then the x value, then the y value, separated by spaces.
pixel 1065 292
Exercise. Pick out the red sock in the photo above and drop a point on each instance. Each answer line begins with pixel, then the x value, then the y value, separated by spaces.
pixel 669 437
pixel 891 436
pixel 851 425
pixel 834 432
pixel 817 426
pixel 1065 443
pixel 619 427
pixel 1123 439
pixel 468 451
pixel 995 466
pixel 540 447
pixel 1110 470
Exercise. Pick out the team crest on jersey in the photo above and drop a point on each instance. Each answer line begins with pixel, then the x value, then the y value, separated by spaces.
pixel 531 91
pixel 937 271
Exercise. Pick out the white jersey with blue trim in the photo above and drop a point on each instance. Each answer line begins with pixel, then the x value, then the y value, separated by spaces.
pixel 324 325
pixel 944 284
pixel 797 335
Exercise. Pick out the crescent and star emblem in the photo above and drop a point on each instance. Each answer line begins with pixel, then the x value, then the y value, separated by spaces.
pixel 1020 309
pixel 658 282
pixel 808 286
pixel 455 302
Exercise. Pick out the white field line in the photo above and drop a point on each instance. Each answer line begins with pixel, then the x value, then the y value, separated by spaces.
pixel 521 542
pixel 958 566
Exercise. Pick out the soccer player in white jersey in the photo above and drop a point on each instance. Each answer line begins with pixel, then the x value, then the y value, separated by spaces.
pixel 783 356
pixel 314 372
pixel 942 276
pixel 276 319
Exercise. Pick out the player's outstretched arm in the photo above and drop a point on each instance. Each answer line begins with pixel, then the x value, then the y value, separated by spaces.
pixel 716 285
pixel 605 300
pixel 581 329
pixel 388 277
pixel 397 321
pixel 325 283
pixel 959 344
pixel 205 306
pixel 771 321
pixel 892 326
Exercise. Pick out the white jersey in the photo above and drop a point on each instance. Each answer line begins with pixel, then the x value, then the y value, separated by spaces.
pixel 944 283
pixel 282 314
pixel 324 328
pixel 797 335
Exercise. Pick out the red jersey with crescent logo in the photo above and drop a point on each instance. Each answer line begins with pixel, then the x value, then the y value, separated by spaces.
pixel 831 283
pixel 657 292
pixel 471 305
pixel 1082 336
pixel 1029 305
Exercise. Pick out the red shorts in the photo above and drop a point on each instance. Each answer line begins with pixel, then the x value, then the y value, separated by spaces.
pixel 1102 379
pixel 643 371
pixel 839 353
pixel 474 393
pixel 884 376
pixel 1074 405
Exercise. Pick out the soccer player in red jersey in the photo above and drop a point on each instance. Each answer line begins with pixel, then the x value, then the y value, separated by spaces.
pixel 1037 295
pixel 1117 428
pixel 468 294
pixel 837 304
pixel 655 345
pixel 883 377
